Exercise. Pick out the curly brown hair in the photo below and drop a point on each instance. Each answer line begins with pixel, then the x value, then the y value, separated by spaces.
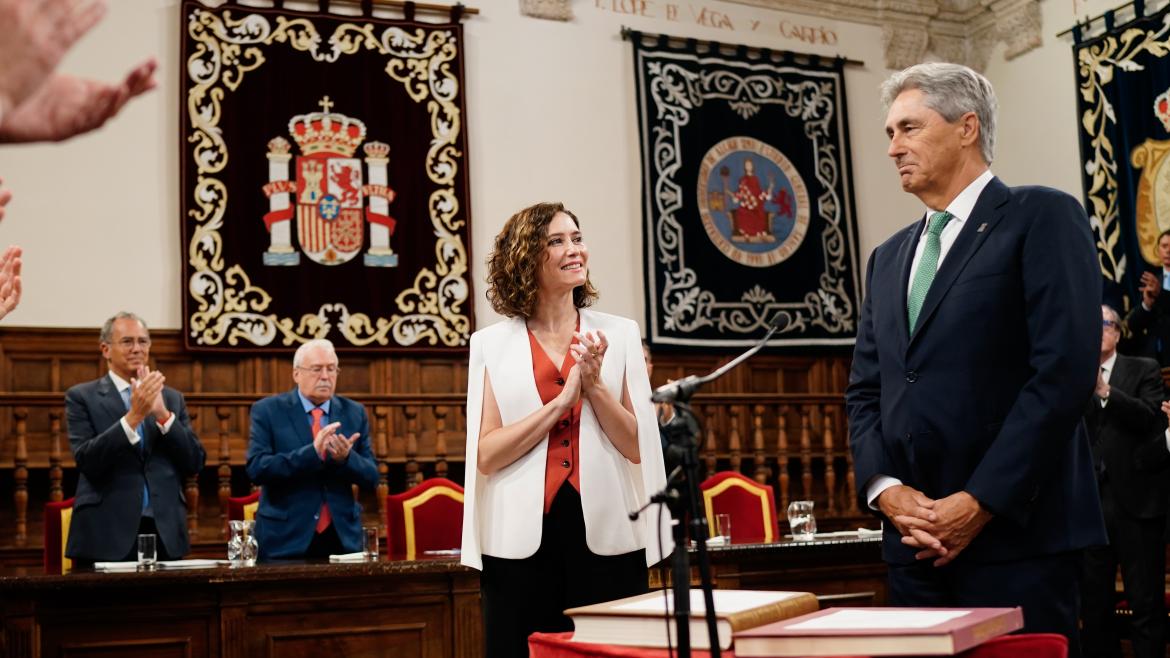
pixel 519 250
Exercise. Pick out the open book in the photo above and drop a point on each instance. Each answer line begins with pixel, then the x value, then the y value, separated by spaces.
pixel 642 620
pixel 879 632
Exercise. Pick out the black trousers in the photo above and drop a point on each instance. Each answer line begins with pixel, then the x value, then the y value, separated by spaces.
pixel 1138 546
pixel 1044 586
pixel 525 596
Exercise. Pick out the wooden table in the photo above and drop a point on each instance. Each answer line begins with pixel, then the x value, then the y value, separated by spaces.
pixel 427 608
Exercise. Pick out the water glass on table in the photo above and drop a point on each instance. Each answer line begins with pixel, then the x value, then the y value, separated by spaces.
pixel 801 519
pixel 147 557
pixel 370 542
pixel 723 527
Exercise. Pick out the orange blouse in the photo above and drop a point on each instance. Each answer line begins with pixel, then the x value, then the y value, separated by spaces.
pixel 563 438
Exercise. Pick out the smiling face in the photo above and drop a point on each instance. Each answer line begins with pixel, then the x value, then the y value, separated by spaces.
pixel 929 151
pixel 566 258
pixel 128 349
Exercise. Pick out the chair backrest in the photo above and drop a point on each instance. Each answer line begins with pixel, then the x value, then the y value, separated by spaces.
pixel 751 505
pixel 57 519
pixel 244 507
pixel 428 517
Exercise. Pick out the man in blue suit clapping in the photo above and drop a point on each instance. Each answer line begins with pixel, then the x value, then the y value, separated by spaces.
pixel 976 354
pixel 307 447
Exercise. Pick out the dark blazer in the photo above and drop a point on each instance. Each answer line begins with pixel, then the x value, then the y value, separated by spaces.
pixel 1126 437
pixel 294 479
pixel 987 395
pixel 108 506
pixel 1151 329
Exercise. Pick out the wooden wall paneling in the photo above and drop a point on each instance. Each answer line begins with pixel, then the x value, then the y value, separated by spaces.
pixel 778 419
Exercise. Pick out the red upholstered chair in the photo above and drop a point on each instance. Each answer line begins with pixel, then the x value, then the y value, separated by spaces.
pixel 244 507
pixel 1032 645
pixel 429 517
pixel 57 518
pixel 751 505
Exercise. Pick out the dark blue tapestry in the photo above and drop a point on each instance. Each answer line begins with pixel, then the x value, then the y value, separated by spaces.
pixel 747 197
pixel 1123 107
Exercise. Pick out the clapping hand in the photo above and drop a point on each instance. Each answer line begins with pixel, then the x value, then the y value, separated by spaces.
pixel 589 352
pixel 338 446
pixel 145 395
pixel 1150 288
pixel 37 34
pixel 10 286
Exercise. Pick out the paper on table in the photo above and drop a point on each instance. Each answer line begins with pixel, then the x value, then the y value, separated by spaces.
pixel 193 564
pixel 115 566
pixel 164 564
pixel 348 557
pixel 861 619
pixel 726 601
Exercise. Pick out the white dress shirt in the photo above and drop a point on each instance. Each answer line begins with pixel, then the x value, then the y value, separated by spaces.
pixel 960 209
pixel 1106 373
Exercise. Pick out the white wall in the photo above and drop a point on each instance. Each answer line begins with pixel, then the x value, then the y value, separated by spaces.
pixel 551 117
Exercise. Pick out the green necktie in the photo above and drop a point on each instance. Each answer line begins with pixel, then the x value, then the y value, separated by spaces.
pixel 926 267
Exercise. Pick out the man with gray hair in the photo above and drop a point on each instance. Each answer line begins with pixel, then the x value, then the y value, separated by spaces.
pixel 306 449
pixel 975 357
pixel 133 445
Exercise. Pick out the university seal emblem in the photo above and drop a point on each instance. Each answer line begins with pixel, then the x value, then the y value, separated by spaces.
pixel 752 201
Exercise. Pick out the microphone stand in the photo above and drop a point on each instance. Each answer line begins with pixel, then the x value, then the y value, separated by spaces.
pixel 681 495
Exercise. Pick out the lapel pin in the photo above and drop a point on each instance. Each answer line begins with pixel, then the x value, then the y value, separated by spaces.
pixel 981 227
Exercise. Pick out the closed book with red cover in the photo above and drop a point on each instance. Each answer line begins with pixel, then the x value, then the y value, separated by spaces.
pixel 879 632
pixel 645 620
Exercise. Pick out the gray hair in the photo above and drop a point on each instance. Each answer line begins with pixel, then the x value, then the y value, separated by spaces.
pixel 107 334
pixel 299 357
pixel 952 90
pixel 1112 313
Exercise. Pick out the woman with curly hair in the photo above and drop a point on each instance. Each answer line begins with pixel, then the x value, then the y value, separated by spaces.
pixel 562 442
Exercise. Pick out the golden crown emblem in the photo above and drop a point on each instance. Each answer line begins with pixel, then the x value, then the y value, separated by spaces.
pixel 326 132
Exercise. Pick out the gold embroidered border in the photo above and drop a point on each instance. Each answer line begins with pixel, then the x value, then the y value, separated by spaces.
pixel 229 308
pixel 1095 66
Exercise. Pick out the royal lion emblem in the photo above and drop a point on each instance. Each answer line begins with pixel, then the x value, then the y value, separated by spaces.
pixel 329 199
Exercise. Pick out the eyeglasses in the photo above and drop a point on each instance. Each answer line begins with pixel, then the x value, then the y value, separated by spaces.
pixel 128 342
pixel 1109 323
pixel 319 370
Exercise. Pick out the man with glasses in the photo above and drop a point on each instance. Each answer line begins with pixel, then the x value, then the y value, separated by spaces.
pixel 307 447
pixel 1130 452
pixel 134 446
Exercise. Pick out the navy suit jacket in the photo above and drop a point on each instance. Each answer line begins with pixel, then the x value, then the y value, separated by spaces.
pixel 988 393
pixel 295 481
pixel 108 504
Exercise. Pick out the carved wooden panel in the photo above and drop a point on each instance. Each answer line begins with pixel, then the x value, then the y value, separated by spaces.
pixel 776 418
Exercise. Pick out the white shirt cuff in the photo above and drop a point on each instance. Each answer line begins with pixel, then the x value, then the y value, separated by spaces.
pixel 1167 435
pixel 166 427
pixel 878 484
pixel 131 435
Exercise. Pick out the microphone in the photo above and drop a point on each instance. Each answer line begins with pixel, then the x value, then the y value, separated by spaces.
pixel 684 388
pixel 680 388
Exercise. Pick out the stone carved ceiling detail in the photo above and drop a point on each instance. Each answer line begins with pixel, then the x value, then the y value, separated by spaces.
pixel 963 31
pixel 557 10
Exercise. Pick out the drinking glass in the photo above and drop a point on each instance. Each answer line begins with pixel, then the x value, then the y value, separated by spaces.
pixel 723 527
pixel 147 558
pixel 800 517
pixel 370 542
